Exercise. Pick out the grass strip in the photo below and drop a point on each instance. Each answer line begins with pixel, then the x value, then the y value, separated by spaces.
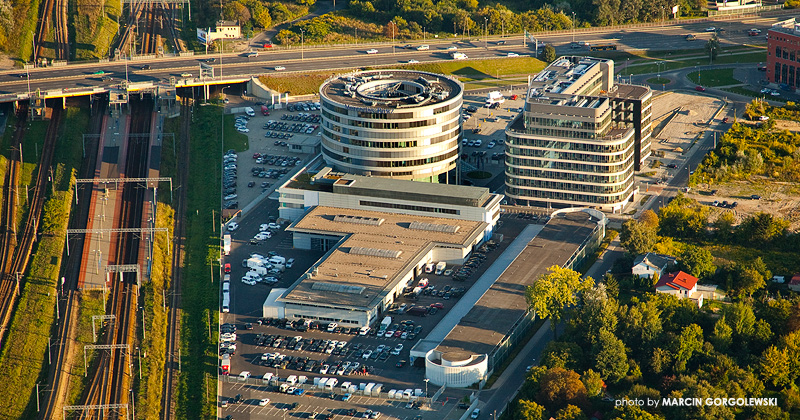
pixel 90 303
pixel 197 384
pixel 753 94
pixel 31 151
pixel 488 70
pixel 95 27
pixel 675 64
pixel 25 354
pixel 153 344
pixel 716 77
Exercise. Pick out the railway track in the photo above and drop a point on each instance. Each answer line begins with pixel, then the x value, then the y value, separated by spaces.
pixel 173 325
pixel 16 266
pixel 150 17
pixel 112 379
pixel 68 295
pixel 53 12
pixel 8 239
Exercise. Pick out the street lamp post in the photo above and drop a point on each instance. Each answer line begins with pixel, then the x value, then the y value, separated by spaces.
pixel 392 23
pixel 302 43
pixel 573 27
pixel 486 32
pixel 426 386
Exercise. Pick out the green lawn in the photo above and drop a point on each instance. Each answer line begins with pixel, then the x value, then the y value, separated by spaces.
pixel 716 77
pixel 680 62
pixel 89 303
pixel 24 358
pixel 753 94
pixel 199 287
pixel 465 70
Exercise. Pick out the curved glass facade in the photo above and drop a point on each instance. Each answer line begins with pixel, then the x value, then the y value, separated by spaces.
pixel 398 124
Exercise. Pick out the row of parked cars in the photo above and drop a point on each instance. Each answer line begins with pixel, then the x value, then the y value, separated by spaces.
pixel 229 175
pixel 305 128
pixel 241 123
pixel 302 117
pixel 303 106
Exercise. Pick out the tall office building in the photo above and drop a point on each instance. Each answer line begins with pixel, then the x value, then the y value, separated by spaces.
pixel 396 124
pixel 579 138
pixel 783 54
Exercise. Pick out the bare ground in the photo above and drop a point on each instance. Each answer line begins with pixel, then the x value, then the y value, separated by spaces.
pixel 780 199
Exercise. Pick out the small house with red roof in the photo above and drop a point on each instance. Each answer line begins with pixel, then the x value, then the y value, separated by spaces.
pixel 680 284
pixel 794 283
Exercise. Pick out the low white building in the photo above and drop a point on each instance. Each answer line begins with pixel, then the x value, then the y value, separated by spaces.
pixel 378 234
pixel 680 284
pixel 646 265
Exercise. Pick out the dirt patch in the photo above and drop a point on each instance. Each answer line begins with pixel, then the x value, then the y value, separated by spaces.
pixel 781 199
pixel 787 125
pixel 6 62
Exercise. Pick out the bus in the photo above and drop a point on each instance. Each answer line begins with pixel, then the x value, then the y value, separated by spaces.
pixel 603 47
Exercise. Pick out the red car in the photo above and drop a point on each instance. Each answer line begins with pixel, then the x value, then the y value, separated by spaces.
pixel 267 45
pixel 437 305
pixel 398 333
pixel 700 89
pixel 725 120
pixel 227 268
pixel 514 97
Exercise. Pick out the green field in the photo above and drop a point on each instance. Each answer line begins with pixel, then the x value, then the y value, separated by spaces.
pixel 24 358
pixel 197 383
pixel 716 77
pixel 478 71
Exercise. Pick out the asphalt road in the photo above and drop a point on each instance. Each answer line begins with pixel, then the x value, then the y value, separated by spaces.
pixel 667 37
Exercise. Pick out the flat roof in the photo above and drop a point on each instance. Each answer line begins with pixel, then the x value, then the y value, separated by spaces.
pixel 390 89
pixel 494 316
pixel 629 91
pixel 378 248
pixel 414 191
pixel 561 74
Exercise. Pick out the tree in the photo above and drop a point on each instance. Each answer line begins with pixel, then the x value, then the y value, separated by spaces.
pixel 723 335
pixel 724 226
pixel 642 321
pixel 762 229
pixel 712 47
pixel 649 218
pixel 570 412
pixel 610 358
pixel 596 313
pixel 237 11
pixel 561 354
pixel 548 54
pixel 689 342
pixel 530 410
pixel 741 318
pixel 637 237
pixel 697 261
pixel 552 293
pixel 634 412
pixel 561 387
pixel 593 382
pixel 774 366
pixel 660 360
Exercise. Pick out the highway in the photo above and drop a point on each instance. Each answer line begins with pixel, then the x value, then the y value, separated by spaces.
pixel 670 36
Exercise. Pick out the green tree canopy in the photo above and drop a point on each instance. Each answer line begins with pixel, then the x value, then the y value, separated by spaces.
pixel 552 293
pixel 610 358
pixel 638 237
pixel 561 387
pixel 548 54
pixel 697 261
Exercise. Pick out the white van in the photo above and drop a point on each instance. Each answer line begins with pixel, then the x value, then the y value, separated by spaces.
pixel 332 326
pixel 429 267
pixel 249 111
pixel 226 303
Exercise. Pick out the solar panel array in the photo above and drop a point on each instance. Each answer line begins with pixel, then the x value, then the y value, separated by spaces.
pixel 333 287
pixel 373 221
pixel 375 252
pixel 435 227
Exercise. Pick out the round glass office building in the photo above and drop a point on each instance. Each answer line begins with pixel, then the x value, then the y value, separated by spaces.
pixel 397 124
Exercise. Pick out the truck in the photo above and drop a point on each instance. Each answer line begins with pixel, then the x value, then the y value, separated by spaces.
pixel 494 97
pixel 277 259
pixel 226 243
pixel 387 321
pixel 261 271
pixel 423 282
pixel 255 262
pixel 331 383
pixel 440 268
pixel 249 111
pixel 458 55
pixel 264 110
pixel 225 364
pixel 417 290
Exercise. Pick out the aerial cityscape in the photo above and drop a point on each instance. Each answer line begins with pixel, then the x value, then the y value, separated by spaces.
pixel 446 210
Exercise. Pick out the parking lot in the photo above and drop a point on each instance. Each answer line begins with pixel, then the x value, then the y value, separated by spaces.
pixel 265 165
pixel 312 355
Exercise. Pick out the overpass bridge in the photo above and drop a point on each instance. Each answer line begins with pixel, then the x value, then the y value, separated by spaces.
pixel 160 90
